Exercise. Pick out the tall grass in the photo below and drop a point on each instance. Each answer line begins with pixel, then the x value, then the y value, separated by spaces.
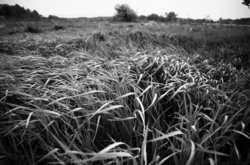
pixel 122 97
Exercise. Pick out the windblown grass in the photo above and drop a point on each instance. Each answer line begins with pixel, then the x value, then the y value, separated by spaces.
pixel 121 97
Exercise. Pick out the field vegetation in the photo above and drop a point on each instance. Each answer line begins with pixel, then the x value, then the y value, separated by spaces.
pixel 101 92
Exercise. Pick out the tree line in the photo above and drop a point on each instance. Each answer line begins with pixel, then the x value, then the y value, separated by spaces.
pixel 125 14
pixel 17 12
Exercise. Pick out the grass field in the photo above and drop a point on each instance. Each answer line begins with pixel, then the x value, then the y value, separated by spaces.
pixel 124 93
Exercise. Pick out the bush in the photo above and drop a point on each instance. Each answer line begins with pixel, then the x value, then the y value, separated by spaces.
pixel 59 27
pixel 53 17
pixel 124 13
pixel 32 29
pixel 142 18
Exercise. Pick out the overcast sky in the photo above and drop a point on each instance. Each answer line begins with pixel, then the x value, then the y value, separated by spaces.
pixel 93 8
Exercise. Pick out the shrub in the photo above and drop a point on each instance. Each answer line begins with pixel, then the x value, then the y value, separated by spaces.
pixel 59 27
pixel 32 29
pixel 142 18
pixel 153 17
pixel 124 13
pixel 53 17
pixel 99 36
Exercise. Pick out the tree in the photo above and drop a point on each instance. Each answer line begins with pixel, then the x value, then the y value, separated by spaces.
pixel 171 17
pixel 153 17
pixel 142 18
pixel 17 12
pixel 35 14
pixel 247 3
pixel 124 13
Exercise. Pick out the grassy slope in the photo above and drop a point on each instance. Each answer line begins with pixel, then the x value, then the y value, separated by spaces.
pixel 125 94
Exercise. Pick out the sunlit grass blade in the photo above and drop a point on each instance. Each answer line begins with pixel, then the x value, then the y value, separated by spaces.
pixel 191 157
pixel 168 135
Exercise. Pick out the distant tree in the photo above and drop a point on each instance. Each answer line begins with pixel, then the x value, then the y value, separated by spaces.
pixel 7 11
pixel 162 19
pixel 124 13
pixel 53 17
pixel 153 17
pixel 35 14
pixel 17 12
pixel 247 3
pixel 221 20
pixel 142 18
pixel 171 17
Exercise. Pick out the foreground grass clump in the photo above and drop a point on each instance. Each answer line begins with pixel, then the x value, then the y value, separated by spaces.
pixel 32 29
pixel 148 108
